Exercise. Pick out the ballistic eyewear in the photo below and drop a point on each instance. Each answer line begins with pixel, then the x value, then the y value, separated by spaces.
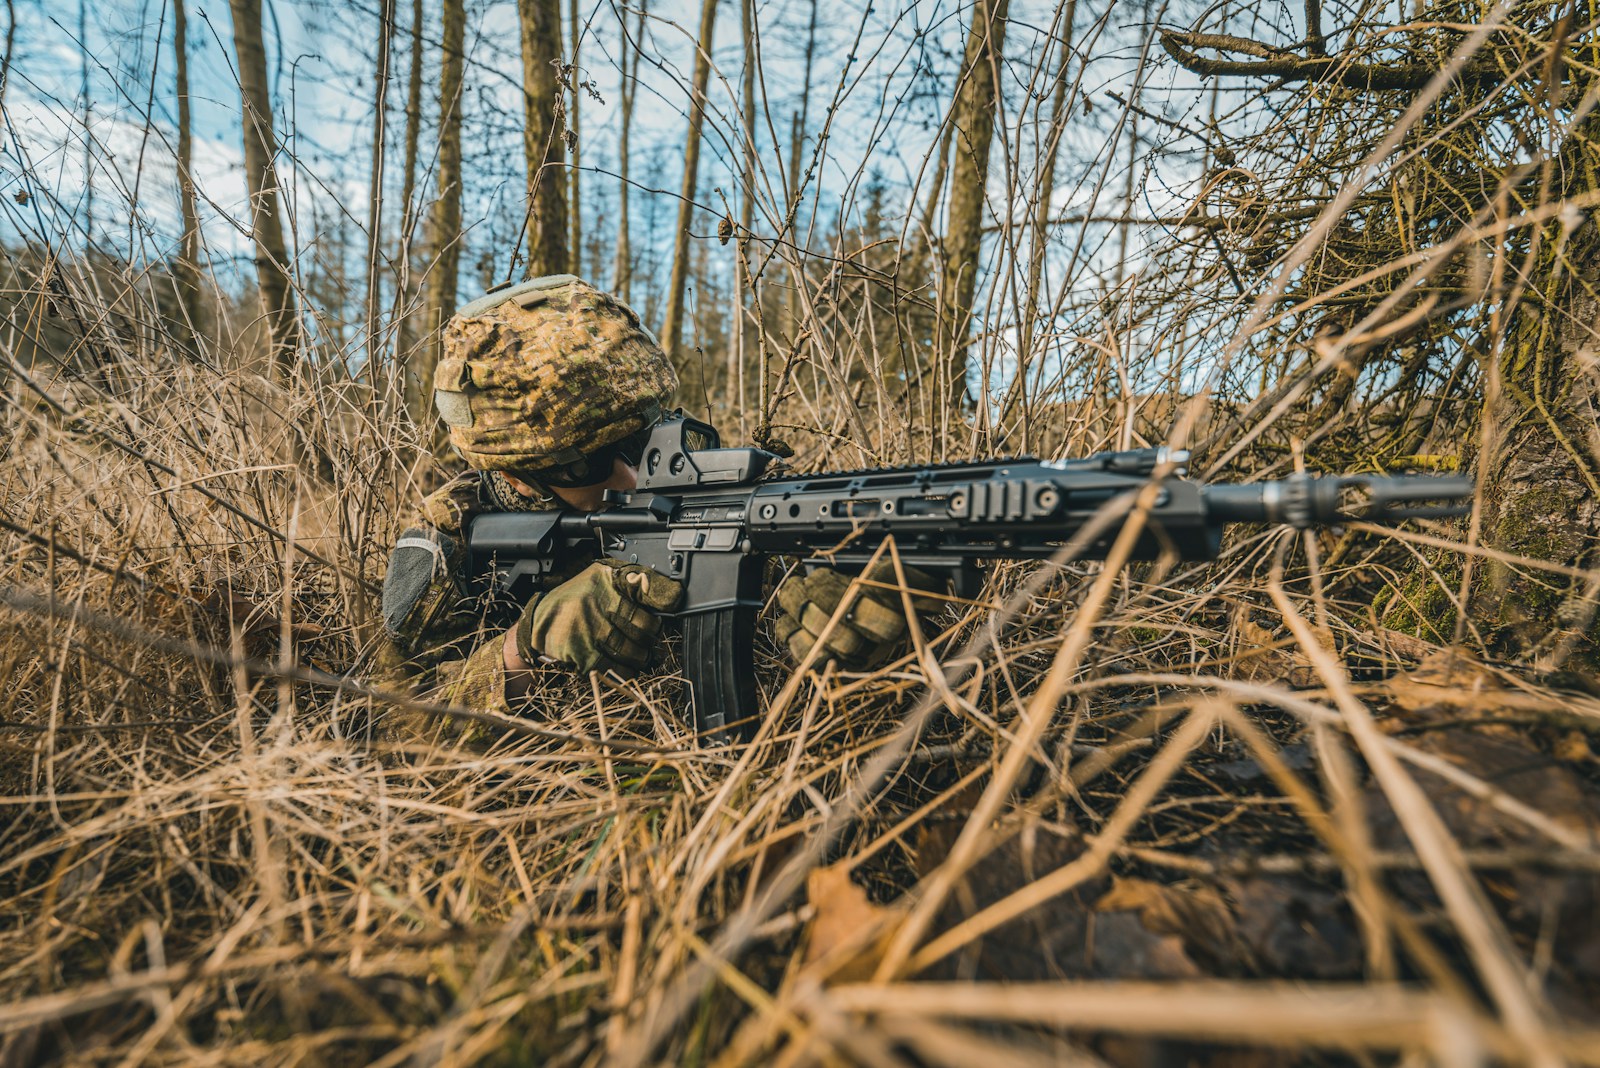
pixel 592 468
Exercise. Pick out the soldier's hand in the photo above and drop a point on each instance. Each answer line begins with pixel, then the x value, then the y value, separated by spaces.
pixel 602 619
pixel 869 633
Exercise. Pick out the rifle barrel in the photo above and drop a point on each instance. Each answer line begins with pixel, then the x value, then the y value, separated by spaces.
pixel 1304 500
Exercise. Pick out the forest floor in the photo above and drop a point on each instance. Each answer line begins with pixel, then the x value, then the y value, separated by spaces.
pixel 1206 814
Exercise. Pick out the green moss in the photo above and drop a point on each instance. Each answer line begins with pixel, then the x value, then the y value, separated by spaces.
pixel 1527 530
pixel 1514 610
pixel 1419 606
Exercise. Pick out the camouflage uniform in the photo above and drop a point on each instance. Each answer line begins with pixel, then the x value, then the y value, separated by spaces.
pixel 432 617
pixel 535 375
pixel 551 374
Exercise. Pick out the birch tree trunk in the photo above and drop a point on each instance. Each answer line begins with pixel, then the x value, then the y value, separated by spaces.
pixel 969 172
pixel 444 227
pixel 278 309
pixel 672 329
pixel 543 149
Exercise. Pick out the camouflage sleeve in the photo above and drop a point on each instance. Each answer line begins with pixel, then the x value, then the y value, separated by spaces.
pixel 442 639
pixel 426 605
pixel 476 683
pixel 479 681
pixel 431 621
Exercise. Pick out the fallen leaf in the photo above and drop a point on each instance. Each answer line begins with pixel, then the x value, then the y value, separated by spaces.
pixel 1256 658
pixel 1119 946
pixel 1197 917
pixel 1573 747
pixel 1511 764
pixel 848 932
pixel 1289 926
pixel 1402 644
pixel 1303 674
pixel 1447 678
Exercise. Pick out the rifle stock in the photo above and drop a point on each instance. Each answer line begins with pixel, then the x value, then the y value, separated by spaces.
pixel 709 518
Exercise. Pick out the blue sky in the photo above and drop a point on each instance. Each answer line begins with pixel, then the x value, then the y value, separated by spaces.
pixel 890 72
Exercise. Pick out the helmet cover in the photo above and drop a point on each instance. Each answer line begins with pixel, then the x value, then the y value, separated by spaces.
pixel 543 372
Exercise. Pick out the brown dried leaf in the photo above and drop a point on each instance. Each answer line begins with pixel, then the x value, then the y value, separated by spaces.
pixel 1447 678
pixel 1512 765
pixel 1253 634
pixel 847 929
pixel 1302 673
pixel 1573 747
pixel 1121 947
pixel 1197 917
pixel 1402 644
pixel 1256 659
pixel 1294 927
pixel 1198 914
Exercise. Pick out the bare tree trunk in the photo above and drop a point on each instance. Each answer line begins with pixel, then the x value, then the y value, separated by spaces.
pixel 941 172
pixel 974 129
pixel 743 339
pixel 1047 181
pixel 5 61
pixel 266 221
pixel 922 235
pixel 88 125
pixel 408 190
pixel 1128 189
pixel 1541 486
pixel 797 131
pixel 574 204
pixel 444 230
pixel 186 272
pixel 672 330
pixel 542 144
pixel 797 140
pixel 622 273
pixel 408 186
pixel 375 187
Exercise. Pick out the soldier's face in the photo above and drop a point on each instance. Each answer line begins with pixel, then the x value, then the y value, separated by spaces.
pixel 624 476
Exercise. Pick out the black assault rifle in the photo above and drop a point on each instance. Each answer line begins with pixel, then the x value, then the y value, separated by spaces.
pixel 706 516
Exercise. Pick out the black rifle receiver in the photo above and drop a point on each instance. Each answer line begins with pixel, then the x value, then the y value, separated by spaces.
pixel 707 517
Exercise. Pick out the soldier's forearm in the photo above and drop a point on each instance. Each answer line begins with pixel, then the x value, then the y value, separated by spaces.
pixel 519 673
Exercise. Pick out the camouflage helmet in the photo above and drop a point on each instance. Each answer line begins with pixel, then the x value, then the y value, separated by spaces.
pixel 542 372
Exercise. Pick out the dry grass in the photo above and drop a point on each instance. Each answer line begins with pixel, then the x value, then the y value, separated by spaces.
pixel 1174 813
pixel 995 847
